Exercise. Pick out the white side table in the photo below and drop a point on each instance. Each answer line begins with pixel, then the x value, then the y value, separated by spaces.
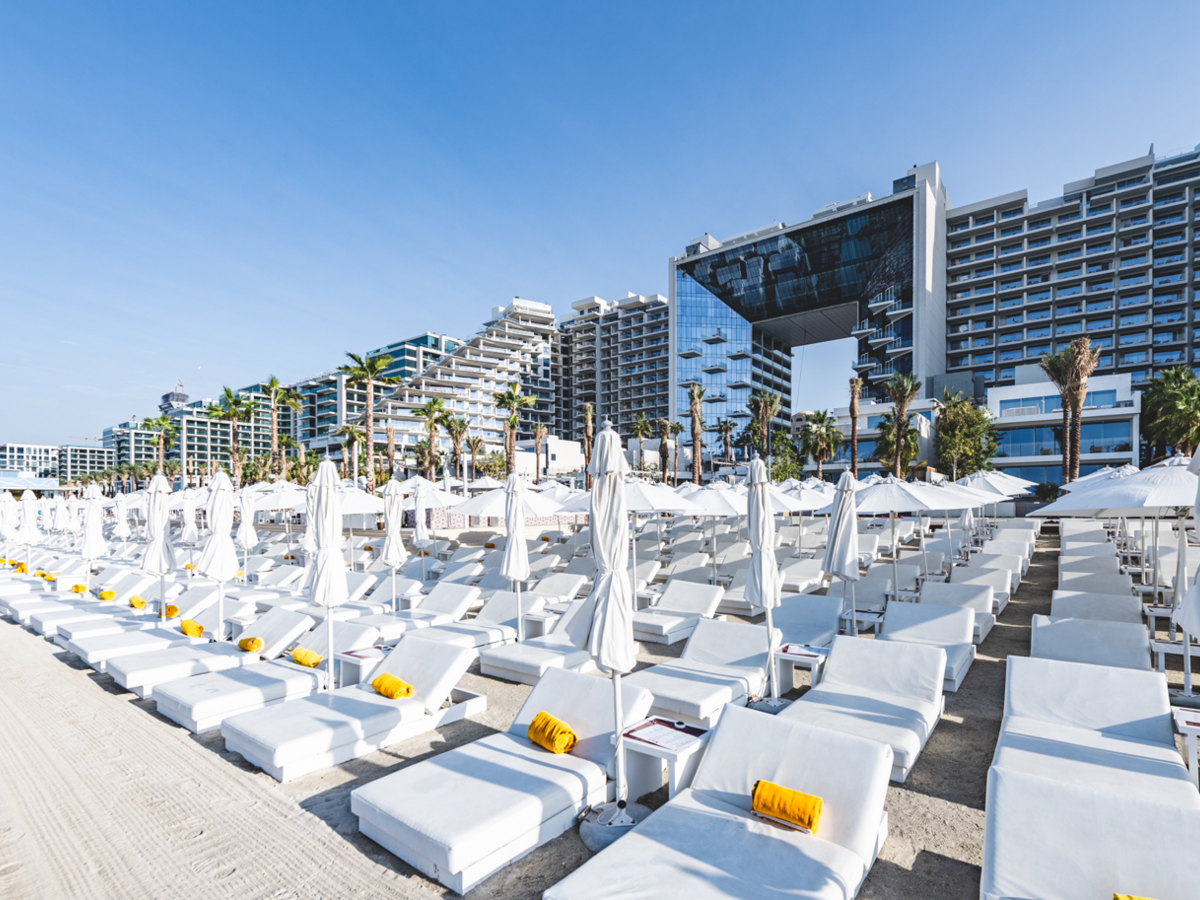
pixel 538 624
pixel 1187 723
pixel 790 657
pixel 654 741
pixel 239 624
pixel 355 666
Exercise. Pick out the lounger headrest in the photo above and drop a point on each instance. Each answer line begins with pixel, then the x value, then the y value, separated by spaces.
pixel 450 598
pixel 433 668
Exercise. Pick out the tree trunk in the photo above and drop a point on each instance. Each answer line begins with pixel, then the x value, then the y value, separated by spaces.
pixel 369 421
pixel 855 388
pixel 537 462
pixel 697 455
pixel 1066 441
pixel 901 422
pixel 1076 437
pixel 274 437
pixel 391 449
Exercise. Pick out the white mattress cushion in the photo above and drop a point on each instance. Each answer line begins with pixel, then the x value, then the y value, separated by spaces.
pixel 901 722
pixel 928 623
pixel 536 657
pixel 972 596
pixel 218 693
pixel 431 668
pixel 695 690
pixel 898 668
pixel 176 662
pixel 470 635
pixel 1091 641
pixel 661 623
pixel 1084 605
pixel 690 598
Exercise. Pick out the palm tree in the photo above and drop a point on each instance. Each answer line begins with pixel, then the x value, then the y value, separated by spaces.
pixel 641 429
pixel 234 408
pixel 1171 411
pixel 539 434
pixel 352 435
pixel 1083 363
pixel 764 406
pixel 435 414
pixel 457 429
pixel 725 428
pixel 368 371
pixel 676 431
pixel 165 426
pixel 172 468
pixel 695 408
pixel 475 445
pixel 1058 367
pixel 856 385
pixel 278 395
pixel 902 390
pixel 887 449
pixel 589 435
pixel 391 448
pixel 819 438
pixel 664 448
pixel 512 401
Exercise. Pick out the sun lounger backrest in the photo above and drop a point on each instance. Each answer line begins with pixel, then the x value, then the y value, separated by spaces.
pixel 194 599
pixel 432 668
pixel 461 572
pixel 728 644
pixel 581 565
pixel 560 585
pixel 805 612
pixel 501 608
pixel 694 599
pixel 1089 581
pixel 494 581
pixel 1098 564
pixel 453 599
pixel 928 622
pixel 346 636
pixel 1111 700
pixel 1000 580
pixel 359 583
pixel 646 571
pixel 849 773
pixel 869 593
pixel 278 629
pixel 868 543
pixel 1089 550
pixel 586 704
pixel 281 575
pixel 988 560
pixel 907 576
pixel 931 558
pixel 1085 605
pixel 1017 548
pixel 1091 641
pixel 576 622
pixel 207 617
pixel 887 667
pixel 977 597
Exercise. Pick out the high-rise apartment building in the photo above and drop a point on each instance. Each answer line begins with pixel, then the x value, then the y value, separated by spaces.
pixel 75 461
pixel 616 356
pixel 413 356
pixel 130 442
pixel 40 459
pixel 202 443
pixel 327 402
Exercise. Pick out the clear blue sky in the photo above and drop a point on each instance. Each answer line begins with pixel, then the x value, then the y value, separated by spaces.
pixel 255 188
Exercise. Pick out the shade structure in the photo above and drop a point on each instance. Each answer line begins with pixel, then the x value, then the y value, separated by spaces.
pixel 93 546
pixel 494 503
pixel 1187 600
pixel 75 513
pixel 218 559
pixel 394 553
pixel 515 564
pixel 421 527
pixel 191 534
pixel 58 515
pixel 356 502
pixel 763 584
pixel 159 558
pixel 246 536
pixel 610 639
pixel 329 571
pixel 432 498
pixel 486 483
pixel 1103 472
pixel 1157 490
pixel 121 530
pixel 841 545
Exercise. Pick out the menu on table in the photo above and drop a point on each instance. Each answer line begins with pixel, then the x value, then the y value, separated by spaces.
pixel 663 733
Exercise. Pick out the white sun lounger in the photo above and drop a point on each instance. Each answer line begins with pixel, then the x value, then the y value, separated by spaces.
pixel 1103 550
pixel 888 691
pixel 680 606
pixel 1086 605
pixel 1091 641
pixel 44 610
pixel 999 580
pixel 1009 561
pixel 706 843
pixel 906 577
pixel 446 603
pixel 528 661
pixel 202 703
pixel 292 739
pixel 1100 583
pixel 723 662
pixel 1095 565
pixel 870 594
pixel 494 626
pixel 278 630
pixel 802 575
pixel 975 597
pixel 146 635
pixel 470 811
pixel 948 627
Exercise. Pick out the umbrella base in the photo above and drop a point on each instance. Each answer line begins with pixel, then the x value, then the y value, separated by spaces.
pixel 605 823
pixel 769 706
pixel 1181 698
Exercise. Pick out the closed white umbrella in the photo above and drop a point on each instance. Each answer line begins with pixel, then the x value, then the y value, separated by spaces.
pixel 218 560
pixel 8 516
pixel 308 546
pixel 93 546
pixel 121 530
pixel 58 515
pixel 191 534
pixel 841 544
pixel 159 558
pixel 246 536
pixel 329 575
pixel 30 533
pixel 515 565
pixel 420 527
pixel 394 553
pixel 763 584
pixel 610 640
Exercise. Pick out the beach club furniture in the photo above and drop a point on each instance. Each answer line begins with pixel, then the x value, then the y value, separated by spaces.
pixel 887 691
pixel 280 576
pixel 733 601
pixel 948 627
pixel 1104 549
pixel 203 702
pixel 1107 583
pixel 803 623
pixel 558 590
pixel 802 575
pixel 447 602
pixel 1087 794
pixel 1092 641
pixel 278 630
pixel 1094 565
pixel 928 563
pixel 528 660
pixel 42 616
pixel 906 577
pixel 707 842
pixel 358 585
pixel 288 740
pixel 466 813
pixel 680 606
pixel 870 594
pixel 975 597
pixel 1086 605
pixel 1022 549
pixel 999 580
pixel 723 662
pixel 144 634
pixel 494 626
pixel 868 549
pixel 1009 561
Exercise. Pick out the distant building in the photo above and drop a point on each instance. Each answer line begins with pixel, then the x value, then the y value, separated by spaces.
pixel 413 356
pixel 77 461
pixel 329 401
pixel 130 442
pixel 40 459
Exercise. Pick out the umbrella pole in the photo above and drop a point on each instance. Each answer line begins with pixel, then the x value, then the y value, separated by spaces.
pixel 633 561
pixel 1181 587
pixel 714 550
pixel 329 635
pixel 1142 553
pixel 162 599
pixel 771 667
pixel 520 613
pixel 895 564
pixel 220 610
pixel 1154 571
pixel 621 817
pixel 853 610
pixel 949 541
pixel 393 591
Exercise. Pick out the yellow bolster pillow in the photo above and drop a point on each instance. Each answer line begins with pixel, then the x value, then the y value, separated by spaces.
pixel 303 657
pixel 391 686
pixel 553 734
pixel 546 538
pixel 367 548
pixel 40 573
pixel 250 644
pixel 793 807
pixel 107 595
pixel 22 569
pixel 489 545
pixel 1129 897
pixel 50 579
pixel 172 610
pixel 135 601
pixel 78 589
pixel 192 628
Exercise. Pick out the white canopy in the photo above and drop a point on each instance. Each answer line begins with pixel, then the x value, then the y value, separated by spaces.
pixel 493 504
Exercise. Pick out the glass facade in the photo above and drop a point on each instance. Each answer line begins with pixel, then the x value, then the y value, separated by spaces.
pixel 1095 437
pixel 1042 474
pixel 1053 402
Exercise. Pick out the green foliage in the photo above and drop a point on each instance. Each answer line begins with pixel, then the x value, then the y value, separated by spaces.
pixel 1047 492
pixel 885 446
pixel 1171 411
pixel 786 461
pixel 819 438
pixel 966 436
